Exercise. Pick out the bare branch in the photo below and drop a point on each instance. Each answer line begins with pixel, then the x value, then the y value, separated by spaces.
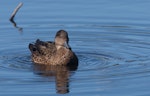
pixel 15 11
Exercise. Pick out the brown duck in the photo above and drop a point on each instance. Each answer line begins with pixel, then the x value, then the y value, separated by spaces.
pixel 53 53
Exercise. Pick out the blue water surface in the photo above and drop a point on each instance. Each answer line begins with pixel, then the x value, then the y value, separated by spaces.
pixel 110 37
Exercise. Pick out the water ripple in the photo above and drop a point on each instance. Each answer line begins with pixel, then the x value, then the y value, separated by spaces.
pixel 16 60
pixel 104 66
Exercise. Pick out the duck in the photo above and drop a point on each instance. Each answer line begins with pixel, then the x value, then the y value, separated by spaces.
pixel 57 52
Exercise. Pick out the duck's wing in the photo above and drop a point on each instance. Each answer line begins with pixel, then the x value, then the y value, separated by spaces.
pixel 42 47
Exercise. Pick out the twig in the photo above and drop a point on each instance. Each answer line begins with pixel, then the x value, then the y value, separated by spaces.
pixel 15 11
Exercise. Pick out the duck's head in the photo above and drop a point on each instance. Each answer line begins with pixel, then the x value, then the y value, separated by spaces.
pixel 62 39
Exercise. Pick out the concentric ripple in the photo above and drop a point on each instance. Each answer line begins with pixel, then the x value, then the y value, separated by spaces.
pixel 105 66
pixel 21 60
pixel 15 60
pixel 91 62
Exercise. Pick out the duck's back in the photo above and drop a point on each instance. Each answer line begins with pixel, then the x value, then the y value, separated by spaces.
pixel 46 53
pixel 42 51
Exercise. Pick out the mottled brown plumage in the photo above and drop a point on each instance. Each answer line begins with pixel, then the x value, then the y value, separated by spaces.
pixel 53 53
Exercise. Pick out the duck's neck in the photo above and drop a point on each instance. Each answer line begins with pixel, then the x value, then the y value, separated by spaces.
pixel 58 46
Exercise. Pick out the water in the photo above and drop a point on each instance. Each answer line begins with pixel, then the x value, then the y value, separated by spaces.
pixel 110 38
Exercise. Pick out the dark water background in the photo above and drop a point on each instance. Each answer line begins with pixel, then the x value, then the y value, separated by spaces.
pixel 110 37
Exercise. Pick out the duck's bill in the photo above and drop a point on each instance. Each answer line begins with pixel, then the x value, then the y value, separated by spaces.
pixel 67 45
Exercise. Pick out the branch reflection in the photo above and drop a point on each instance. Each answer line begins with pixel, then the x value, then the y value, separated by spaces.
pixel 61 74
pixel 20 29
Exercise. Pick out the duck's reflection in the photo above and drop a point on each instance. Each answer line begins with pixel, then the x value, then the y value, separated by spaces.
pixel 61 74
